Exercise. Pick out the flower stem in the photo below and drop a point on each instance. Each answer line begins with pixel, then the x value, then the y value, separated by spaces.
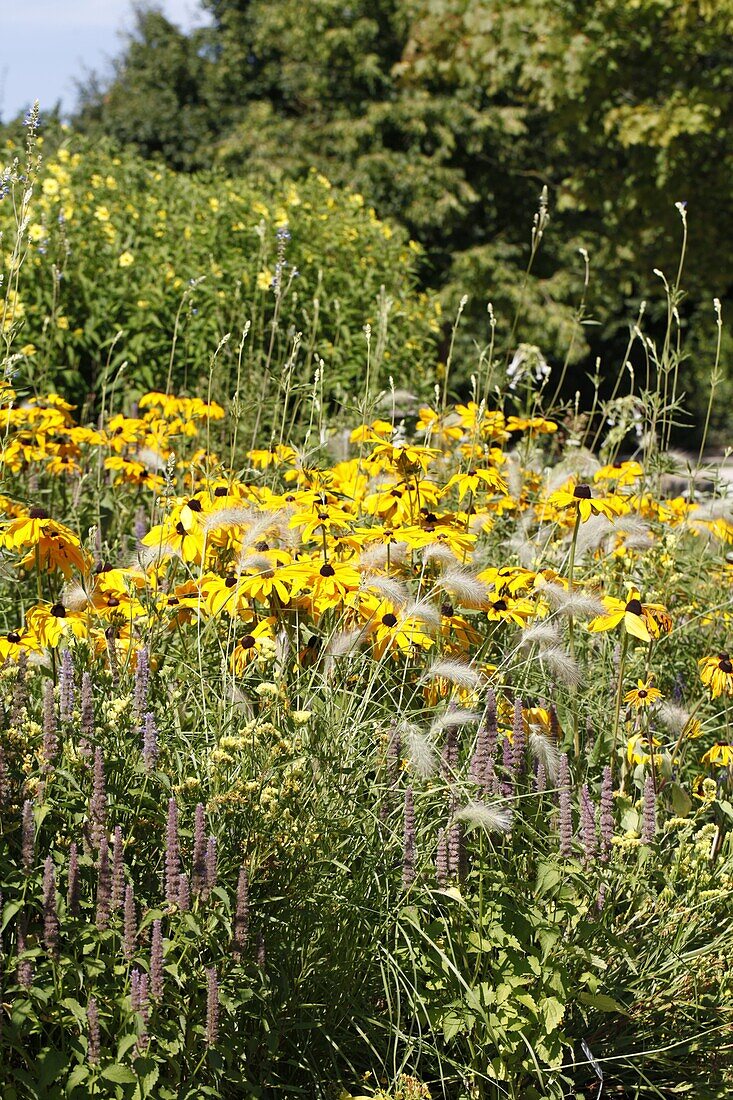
pixel 619 694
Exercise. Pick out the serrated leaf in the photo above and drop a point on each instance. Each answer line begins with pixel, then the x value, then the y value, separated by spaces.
pixel 119 1075
pixel 602 1002
pixel 77 1075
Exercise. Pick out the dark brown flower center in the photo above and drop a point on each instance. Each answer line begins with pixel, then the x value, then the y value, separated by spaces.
pixel 643 693
pixel 14 637
pixel 634 606
pixel 180 530
pixel 582 492
pixel 248 641
pixel 262 546
pixel 230 582
pixel 499 605
pixel 327 570
pixel 726 665
pixel 389 619
pixel 447 609
pixel 195 505
pixel 38 513
pixel 220 491
pixel 58 611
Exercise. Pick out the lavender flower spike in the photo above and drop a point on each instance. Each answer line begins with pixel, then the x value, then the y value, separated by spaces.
pixel 87 714
pixel 156 962
pixel 212 1007
pixel 66 687
pixel 142 681
pixel 50 916
pixel 210 881
pixel 240 930
pixel 118 870
pixel 74 885
pixel 104 886
pixel 565 824
pixel 93 1038
pixel 606 815
pixel 588 826
pixel 150 742
pixel 129 925
pixel 50 740
pixel 172 855
pixel 519 738
pixel 649 812
pixel 28 836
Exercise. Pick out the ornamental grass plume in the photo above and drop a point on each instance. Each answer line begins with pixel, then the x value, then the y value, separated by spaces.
pixel 606 815
pixel 27 836
pixel 649 812
pixel 240 927
pixel 409 847
pixel 66 687
pixel 172 855
pixel 150 742
pixel 142 681
pixel 50 739
pixel 156 961
pixel 73 889
pixel 212 1006
pixel 98 801
pixel 490 817
pixel 588 826
pixel 93 1035
pixel 129 925
pixel 51 927
pixel 420 752
pixel 104 886
pixel 118 869
pixel 565 816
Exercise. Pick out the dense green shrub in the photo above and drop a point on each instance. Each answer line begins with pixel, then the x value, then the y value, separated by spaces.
pixel 134 270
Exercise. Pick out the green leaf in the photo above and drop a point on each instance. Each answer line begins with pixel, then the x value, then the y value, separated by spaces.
pixel 552 1012
pixel 77 1075
pixel 120 1075
pixel 549 876
pixel 602 1002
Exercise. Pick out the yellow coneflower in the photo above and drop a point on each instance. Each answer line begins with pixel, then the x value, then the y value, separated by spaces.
pixel 717 674
pixel 642 620
pixel 643 695
pixel 719 755
pixel 580 498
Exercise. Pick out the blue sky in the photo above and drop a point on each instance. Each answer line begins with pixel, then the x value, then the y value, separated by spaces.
pixel 46 44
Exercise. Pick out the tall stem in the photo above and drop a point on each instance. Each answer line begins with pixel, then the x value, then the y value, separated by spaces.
pixel 619 695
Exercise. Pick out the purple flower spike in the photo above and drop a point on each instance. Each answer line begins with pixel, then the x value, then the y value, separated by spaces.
pixel 74 884
pixel 172 855
pixel 50 915
pixel 649 812
pixel 156 962
pixel 129 925
pixel 606 815
pixel 565 825
pixel 212 1007
pixel 240 930
pixel 66 687
pixel 93 1037
pixel 409 842
pixel 28 836
pixel 588 826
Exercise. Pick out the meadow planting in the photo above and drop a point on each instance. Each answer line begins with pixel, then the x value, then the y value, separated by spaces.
pixel 359 738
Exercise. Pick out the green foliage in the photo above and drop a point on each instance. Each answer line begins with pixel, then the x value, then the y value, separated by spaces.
pixel 450 115
pixel 135 272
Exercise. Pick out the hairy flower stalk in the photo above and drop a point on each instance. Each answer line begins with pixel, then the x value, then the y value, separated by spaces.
pixel 28 836
pixel 606 815
pixel 129 925
pixel 51 925
pixel 98 802
pixel 540 777
pixel 4 780
pixel 66 687
pixel 20 691
pixel 184 893
pixel 172 855
pixel 93 1036
pixel 409 848
pixel 482 761
pixel 87 714
pixel 24 972
pixel 565 823
pixel 198 875
pixel 139 1005
pixel 240 928
pixel 142 681
pixel 449 756
pixel 210 865
pixel 118 869
pixel 156 961
pixel 73 889
pixel 507 760
pixel 150 742
pixel 441 859
pixel 519 738
pixel 50 740
pixel 649 812
pixel 212 1006
pixel 588 826
pixel 104 886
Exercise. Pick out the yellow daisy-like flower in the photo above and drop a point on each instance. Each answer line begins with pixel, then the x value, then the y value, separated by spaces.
pixel 476 479
pixel 637 749
pixel 717 674
pixel 581 499
pixel 719 755
pixel 642 621
pixel 643 695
